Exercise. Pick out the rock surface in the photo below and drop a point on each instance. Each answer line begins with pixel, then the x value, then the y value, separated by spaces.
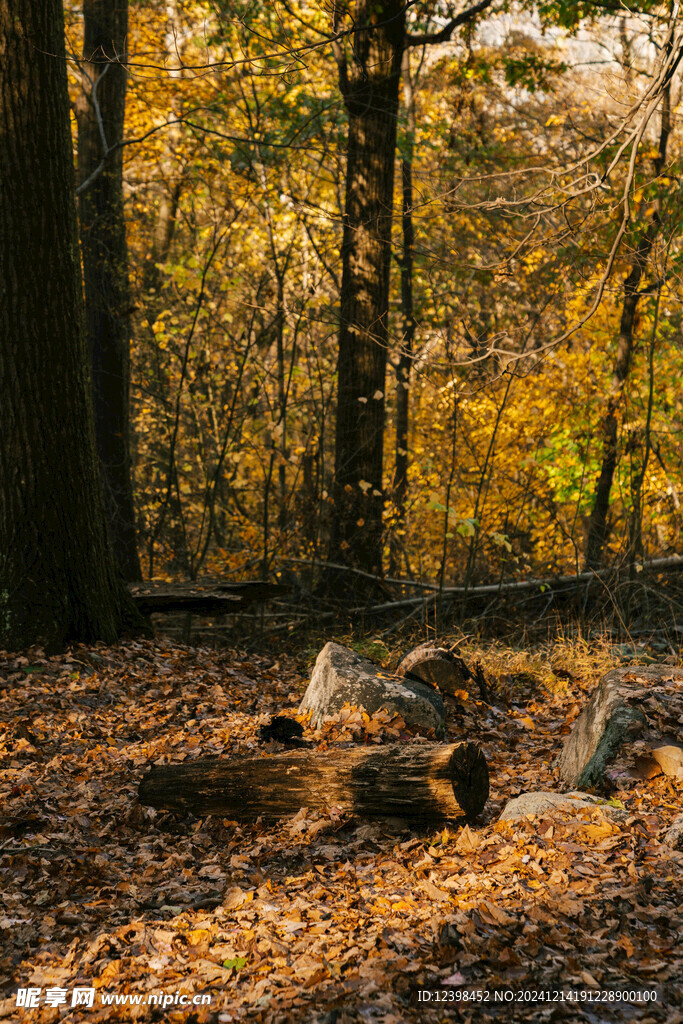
pixel 674 834
pixel 670 760
pixel 542 803
pixel 632 712
pixel 341 676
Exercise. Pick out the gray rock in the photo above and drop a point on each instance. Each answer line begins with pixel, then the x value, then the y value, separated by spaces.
pixel 610 719
pixel 341 676
pixel 543 803
pixel 674 834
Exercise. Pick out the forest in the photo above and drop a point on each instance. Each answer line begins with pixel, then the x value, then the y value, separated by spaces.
pixel 457 364
pixel 340 511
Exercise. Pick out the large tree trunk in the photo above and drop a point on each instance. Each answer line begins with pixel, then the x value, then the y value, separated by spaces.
pixel 370 85
pixel 100 110
pixel 420 782
pixel 58 579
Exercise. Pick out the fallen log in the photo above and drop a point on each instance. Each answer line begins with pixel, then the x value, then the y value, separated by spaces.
pixel 435 666
pixel 416 781
pixel 205 598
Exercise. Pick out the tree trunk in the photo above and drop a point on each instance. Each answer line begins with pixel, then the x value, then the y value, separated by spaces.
pixel 100 114
pixel 369 84
pixel 598 528
pixel 58 579
pixel 170 181
pixel 609 427
pixel 420 782
pixel 404 364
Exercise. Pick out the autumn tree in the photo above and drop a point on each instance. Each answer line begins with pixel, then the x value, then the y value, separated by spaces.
pixel 369 42
pixel 58 578
pixel 100 114
pixel 642 239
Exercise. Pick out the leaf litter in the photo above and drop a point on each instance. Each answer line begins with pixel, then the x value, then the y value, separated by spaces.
pixel 321 917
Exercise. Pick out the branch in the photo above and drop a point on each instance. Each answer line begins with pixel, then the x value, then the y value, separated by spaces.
pixel 339 55
pixel 444 34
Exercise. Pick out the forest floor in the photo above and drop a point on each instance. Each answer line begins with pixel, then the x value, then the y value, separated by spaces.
pixel 319 918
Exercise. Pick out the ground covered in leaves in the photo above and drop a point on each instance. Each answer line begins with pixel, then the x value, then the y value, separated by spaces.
pixel 318 918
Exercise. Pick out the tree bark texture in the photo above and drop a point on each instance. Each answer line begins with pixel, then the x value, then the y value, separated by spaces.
pixel 419 782
pixel 100 115
pixel 404 363
pixel 58 579
pixel 369 83
pixel 205 598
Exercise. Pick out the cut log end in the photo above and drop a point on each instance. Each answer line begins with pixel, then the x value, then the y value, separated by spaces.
pixel 469 776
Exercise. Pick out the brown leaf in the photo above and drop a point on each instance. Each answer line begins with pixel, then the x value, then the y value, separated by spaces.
pixel 467 841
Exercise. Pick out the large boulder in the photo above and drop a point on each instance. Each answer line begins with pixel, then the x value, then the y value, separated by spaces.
pixel 629 729
pixel 341 676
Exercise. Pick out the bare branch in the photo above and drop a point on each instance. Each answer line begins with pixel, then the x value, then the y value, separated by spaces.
pixel 444 34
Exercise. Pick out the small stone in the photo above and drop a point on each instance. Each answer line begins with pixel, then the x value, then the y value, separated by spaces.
pixel 674 834
pixel 669 759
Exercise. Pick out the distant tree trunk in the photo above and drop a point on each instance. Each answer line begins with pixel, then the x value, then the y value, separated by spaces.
pixel 171 183
pixel 162 235
pixel 100 114
pixel 598 529
pixel 370 86
pixel 58 578
pixel 404 364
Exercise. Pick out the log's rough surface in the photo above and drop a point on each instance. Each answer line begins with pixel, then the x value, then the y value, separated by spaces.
pixel 416 781
pixel 205 598
pixel 435 666
pixel 633 712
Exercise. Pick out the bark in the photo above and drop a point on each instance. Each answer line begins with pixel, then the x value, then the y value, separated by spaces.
pixel 203 598
pixel 436 666
pixel 405 360
pixel 419 782
pixel 370 85
pixel 100 116
pixel 58 578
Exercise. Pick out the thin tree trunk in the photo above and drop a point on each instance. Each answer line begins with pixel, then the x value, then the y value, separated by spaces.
pixel 100 115
pixel 635 523
pixel 164 228
pixel 58 578
pixel 405 360
pixel 370 87
pixel 598 528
